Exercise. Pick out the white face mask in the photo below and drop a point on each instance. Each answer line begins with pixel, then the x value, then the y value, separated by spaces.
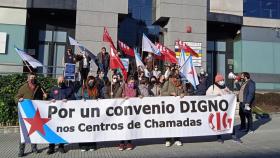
pixel 150 55
pixel 114 80
pixel 221 83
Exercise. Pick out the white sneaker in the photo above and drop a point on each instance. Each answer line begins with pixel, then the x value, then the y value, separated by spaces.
pixel 167 143
pixel 91 150
pixel 83 150
pixel 178 143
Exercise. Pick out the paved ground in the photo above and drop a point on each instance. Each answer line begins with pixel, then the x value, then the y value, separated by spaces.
pixel 264 143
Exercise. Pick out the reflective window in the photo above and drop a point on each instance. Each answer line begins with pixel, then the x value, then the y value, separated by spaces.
pixel 262 8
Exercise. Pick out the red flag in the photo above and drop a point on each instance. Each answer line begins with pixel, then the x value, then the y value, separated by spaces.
pixel 126 49
pixel 166 54
pixel 187 49
pixel 116 63
pixel 107 38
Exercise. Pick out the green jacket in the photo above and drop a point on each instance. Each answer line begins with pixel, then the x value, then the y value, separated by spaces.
pixel 168 88
pixel 26 93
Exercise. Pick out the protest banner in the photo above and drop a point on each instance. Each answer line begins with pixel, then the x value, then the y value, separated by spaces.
pixel 125 119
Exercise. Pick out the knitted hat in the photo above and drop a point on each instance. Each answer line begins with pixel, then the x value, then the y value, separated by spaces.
pixel 219 77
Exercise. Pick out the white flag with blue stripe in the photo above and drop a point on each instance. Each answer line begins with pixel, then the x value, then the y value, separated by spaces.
pixel 148 46
pixel 24 56
pixel 187 69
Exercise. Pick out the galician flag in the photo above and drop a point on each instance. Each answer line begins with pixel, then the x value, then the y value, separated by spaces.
pixel 187 69
pixel 24 56
pixel 138 60
pixel 148 46
pixel 73 42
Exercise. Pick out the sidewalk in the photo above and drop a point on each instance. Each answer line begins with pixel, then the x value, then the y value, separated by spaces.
pixel 264 143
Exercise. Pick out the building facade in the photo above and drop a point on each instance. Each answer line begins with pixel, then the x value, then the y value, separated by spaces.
pixel 233 36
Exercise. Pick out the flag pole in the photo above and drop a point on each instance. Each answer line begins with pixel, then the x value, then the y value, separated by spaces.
pixel 27 66
pixel 111 94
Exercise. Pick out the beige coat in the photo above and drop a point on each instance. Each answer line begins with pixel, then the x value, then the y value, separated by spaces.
pixel 217 91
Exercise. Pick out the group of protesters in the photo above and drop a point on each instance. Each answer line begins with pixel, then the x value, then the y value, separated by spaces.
pixel 149 81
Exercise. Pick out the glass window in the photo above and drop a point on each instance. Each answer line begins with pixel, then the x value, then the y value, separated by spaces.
pixel 60 36
pixel 262 8
pixel 45 36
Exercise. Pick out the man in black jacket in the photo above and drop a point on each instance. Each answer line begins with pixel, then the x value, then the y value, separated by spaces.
pixel 64 93
pixel 246 97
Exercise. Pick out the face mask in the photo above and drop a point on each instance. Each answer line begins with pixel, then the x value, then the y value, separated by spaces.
pixel 90 84
pixel 156 68
pixel 61 84
pixel 221 83
pixel 33 81
pixel 242 79
pixel 101 75
pixel 150 55
pixel 131 85
pixel 153 81
pixel 115 80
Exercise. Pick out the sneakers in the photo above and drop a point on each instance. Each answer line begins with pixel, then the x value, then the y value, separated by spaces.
pixel 83 150
pixel 92 149
pixel 221 141
pixel 121 147
pixel 167 143
pixel 250 132
pixel 129 146
pixel 178 143
pixel 236 140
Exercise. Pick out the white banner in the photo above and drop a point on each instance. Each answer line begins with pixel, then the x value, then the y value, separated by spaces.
pixel 120 119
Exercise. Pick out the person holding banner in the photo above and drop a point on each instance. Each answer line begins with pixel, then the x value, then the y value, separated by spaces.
pixel 29 90
pixel 129 90
pixel 173 87
pixel 218 88
pixel 100 83
pixel 64 93
pixel 154 87
pixel 86 92
pixel 116 88
pixel 143 87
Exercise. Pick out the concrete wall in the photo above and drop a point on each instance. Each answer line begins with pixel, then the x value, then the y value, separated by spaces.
pixel 92 16
pixel 261 22
pixel 234 7
pixel 183 13
pixel 52 4
pixel 12 22
pixel 13 3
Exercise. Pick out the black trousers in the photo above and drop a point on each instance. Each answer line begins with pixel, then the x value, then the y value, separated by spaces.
pixel 22 147
pixel 87 145
pixel 245 114
pixel 128 142
pixel 52 146
pixel 84 73
pixel 175 139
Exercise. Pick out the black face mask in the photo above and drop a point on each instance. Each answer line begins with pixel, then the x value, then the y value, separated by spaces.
pixel 33 81
pixel 61 84
pixel 242 79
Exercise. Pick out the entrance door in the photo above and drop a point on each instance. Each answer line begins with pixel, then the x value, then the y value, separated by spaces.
pixel 216 59
pixel 51 51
